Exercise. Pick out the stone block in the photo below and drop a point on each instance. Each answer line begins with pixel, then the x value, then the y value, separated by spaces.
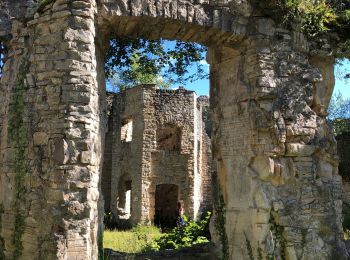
pixel 60 151
pixel 325 169
pixel 263 166
pixel 85 157
pixel 297 149
pixel 40 138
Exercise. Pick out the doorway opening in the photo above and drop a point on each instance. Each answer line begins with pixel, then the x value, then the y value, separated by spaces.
pixel 166 199
pixel 124 198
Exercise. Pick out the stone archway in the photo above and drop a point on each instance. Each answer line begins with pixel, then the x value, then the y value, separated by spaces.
pixel 275 158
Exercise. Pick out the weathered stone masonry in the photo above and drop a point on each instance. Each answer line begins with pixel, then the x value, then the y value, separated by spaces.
pixel 343 146
pixel 156 137
pixel 270 88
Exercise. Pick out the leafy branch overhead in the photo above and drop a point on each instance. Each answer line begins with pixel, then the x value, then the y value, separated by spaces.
pixel 315 18
pixel 136 61
pixel 339 114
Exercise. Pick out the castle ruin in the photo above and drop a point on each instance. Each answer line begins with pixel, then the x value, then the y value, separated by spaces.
pixel 157 152
pixel 276 182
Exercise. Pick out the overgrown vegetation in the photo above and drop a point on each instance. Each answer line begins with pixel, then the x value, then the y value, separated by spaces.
pixel 279 249
pixel 130 62
pixel 2 242
pixel 189 234
pixel 346 221
pixel 339 114
pixel 149 238
pixel 136 240
pixel 17 132
pixel 315 18
pixel 277 230
pixel 220 209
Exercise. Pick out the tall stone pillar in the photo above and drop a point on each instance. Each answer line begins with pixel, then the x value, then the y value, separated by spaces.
pixel 279 192
pixel 51 136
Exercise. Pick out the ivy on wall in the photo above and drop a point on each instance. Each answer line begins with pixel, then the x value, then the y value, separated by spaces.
pixel 220 221
pixel 2 242
pixel 17 132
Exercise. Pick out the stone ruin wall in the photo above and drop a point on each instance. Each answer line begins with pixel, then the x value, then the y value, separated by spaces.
pixel 275 157
pixel 343 147
pixel 146 164
pixel 126 157
pixel 206 162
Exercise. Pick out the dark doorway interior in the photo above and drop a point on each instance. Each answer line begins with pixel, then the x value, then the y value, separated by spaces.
pixel 166 205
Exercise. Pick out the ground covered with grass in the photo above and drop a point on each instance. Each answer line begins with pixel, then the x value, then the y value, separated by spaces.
pixel 150 238
pixel 136 240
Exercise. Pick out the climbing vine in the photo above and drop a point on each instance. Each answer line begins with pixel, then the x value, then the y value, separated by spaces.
pixel 280 241
pixel 2 243
pixel 17 132
pixel 220 221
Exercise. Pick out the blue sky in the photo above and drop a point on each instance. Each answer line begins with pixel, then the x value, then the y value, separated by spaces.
pixel 341 85
pixel 202 86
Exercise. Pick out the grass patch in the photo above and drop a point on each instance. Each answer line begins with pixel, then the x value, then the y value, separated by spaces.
pixel 136 240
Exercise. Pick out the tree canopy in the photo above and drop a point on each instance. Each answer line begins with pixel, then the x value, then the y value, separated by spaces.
pixel 131 62
pixel 339 114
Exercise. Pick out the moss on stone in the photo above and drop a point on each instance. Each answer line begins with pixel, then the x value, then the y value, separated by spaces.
pixel 2 242
pixel 17 132
pixel 19 228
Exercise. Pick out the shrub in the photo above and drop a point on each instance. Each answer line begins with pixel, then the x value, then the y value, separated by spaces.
pixel 189 234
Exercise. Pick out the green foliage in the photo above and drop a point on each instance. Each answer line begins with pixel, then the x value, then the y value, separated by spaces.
pixel 2 242
pixel 133 61
pixel 136 75
pixel 259 251
pixel 17 132
pixel 340 125
pixel 220 209
pixel 315 18
pixel 346 220
pixel 189 234
pixel 339 114
pixel 17 235
pixel 346 234
pixel 136 240
pixel 280 241
pixel 249 247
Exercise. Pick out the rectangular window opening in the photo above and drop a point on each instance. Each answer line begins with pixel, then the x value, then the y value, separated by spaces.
pixel 126 131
